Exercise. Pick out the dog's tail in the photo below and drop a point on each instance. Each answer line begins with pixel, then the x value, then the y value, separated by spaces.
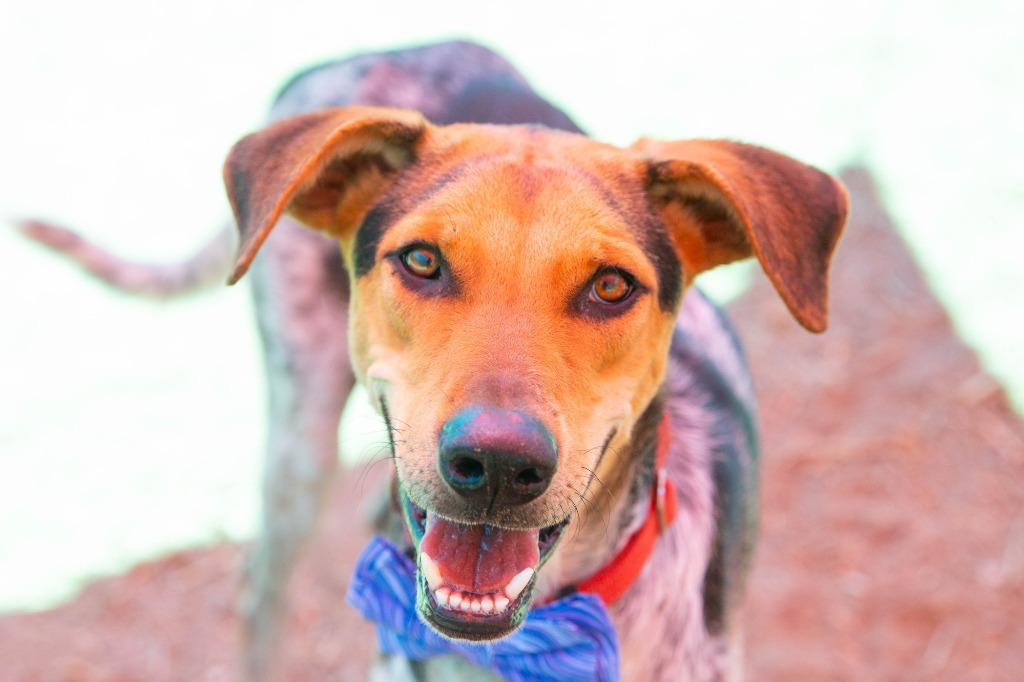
pixel 209 266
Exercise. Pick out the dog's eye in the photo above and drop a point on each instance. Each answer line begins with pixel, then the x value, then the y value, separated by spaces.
pixel 422 262
pixel 611 286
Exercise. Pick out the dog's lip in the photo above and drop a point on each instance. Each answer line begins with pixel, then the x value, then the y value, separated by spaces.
pixel 459 623
pixel 415 519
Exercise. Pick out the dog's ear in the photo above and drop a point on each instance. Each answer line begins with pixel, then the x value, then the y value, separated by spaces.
pixel 724 201
pixel 324 168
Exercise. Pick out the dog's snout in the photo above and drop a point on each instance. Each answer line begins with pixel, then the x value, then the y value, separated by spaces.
pixel 493 456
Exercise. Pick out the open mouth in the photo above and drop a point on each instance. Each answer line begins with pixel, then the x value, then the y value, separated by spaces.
pixel 475 581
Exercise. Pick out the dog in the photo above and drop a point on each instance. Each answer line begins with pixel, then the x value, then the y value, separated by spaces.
pixel 566 414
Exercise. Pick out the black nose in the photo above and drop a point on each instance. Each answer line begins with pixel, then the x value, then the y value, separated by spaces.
pixel 495 456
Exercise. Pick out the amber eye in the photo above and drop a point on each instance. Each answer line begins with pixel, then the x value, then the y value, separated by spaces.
pixel 422 262
pixel 611 287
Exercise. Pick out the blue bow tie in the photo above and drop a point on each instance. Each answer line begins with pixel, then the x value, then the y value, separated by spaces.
pixel 569 639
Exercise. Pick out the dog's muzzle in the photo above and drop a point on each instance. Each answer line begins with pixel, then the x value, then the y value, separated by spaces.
pixel 475 580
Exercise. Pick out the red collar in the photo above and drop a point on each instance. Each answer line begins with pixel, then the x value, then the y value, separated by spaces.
pixel 619 574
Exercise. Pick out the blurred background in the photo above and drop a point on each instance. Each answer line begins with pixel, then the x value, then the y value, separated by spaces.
pixel 129 428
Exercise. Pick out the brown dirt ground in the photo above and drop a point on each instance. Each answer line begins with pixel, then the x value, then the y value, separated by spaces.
pixel 892 542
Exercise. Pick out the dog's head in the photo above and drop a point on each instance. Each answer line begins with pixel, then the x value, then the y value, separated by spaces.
pixel 513 297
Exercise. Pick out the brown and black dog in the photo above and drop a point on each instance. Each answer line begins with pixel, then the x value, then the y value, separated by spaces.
pixel 518 307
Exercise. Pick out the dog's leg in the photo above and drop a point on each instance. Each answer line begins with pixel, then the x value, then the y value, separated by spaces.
pixel 301 294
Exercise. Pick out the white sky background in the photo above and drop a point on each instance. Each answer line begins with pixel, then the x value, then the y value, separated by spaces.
pixel 128 428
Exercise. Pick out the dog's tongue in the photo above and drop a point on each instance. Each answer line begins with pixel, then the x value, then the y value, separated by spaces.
pixel 480 558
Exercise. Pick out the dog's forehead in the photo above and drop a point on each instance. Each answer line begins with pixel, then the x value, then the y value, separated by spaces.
pixel 478 158
pixel 523 187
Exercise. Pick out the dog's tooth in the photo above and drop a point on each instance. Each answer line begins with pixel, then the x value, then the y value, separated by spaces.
pixel 466 605
pixel 430 571
pixel 475 606
pixel 442 594
pixel 487 605
pixel 501 603
pixel 455 599
pixel 516 586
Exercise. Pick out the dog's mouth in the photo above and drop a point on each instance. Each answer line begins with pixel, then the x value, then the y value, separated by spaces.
pixel 475 581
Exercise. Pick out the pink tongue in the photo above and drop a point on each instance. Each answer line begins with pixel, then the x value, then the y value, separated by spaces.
pixel 480 559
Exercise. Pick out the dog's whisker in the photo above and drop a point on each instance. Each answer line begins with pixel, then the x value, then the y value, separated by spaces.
pixel 600 483
pixel 357 435
pixel 368 464
pixel 590 506
pixel 576 511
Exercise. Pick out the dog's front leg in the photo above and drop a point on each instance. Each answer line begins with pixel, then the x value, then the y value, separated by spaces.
pixel 301 294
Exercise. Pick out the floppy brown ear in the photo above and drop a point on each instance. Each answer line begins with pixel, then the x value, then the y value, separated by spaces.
pixel 325 168
pixel 724 201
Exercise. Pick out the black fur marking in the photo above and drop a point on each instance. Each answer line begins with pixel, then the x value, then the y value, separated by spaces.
pixel 659 249
pixel 502 100
pixel 643 456
pixel 377 221
pixel 733 434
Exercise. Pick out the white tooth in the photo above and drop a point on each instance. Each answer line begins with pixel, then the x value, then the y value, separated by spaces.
pixel 430 571
pixel 487 605
pixel 501 603
pixel 455 599
pixel 465 605
pixel 442 595
pixel 475 605
pixel 518 583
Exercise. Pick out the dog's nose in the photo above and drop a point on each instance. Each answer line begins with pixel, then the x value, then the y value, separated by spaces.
pixel 492 456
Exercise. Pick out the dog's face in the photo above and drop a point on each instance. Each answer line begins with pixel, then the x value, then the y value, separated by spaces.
pixel 511 327
pixel 514 293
